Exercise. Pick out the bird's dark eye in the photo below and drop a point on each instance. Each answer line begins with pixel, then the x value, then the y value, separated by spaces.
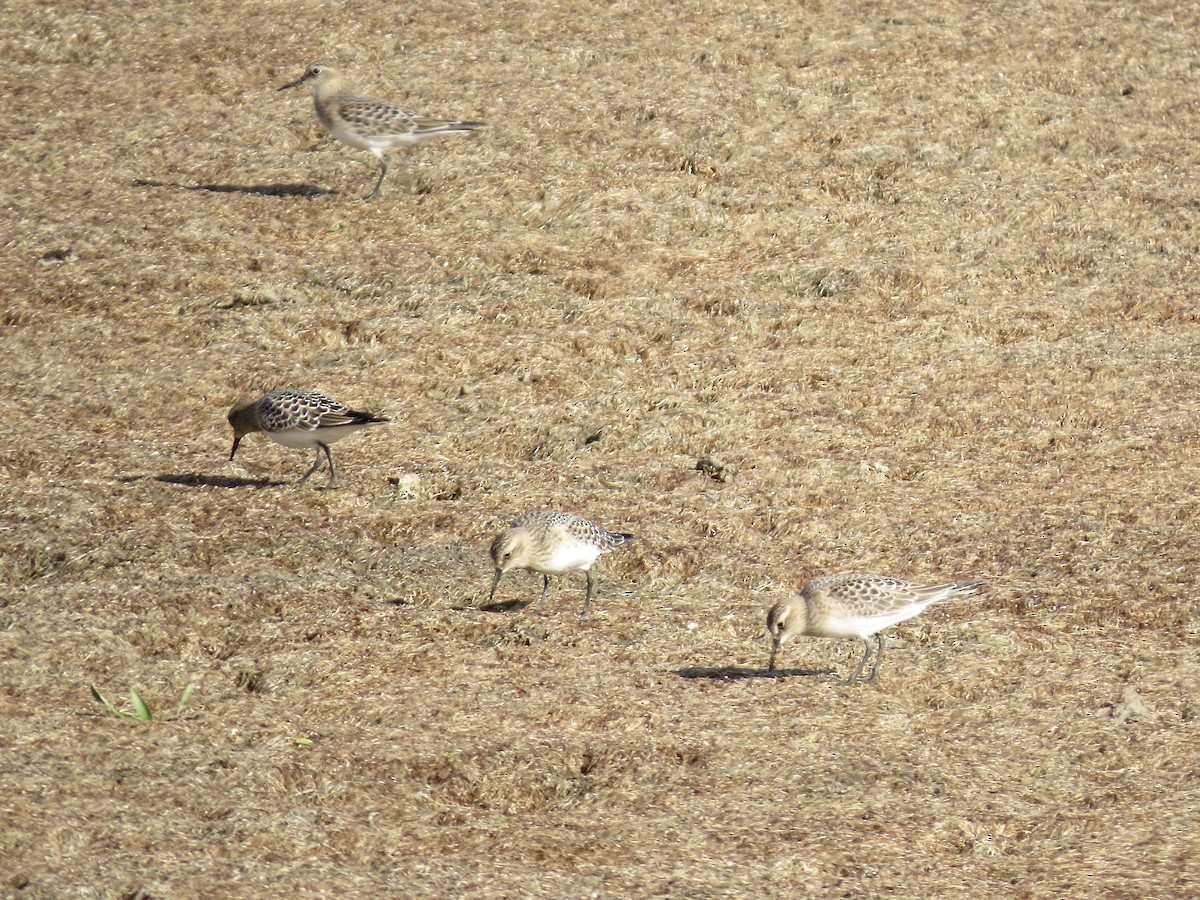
pixel 315 70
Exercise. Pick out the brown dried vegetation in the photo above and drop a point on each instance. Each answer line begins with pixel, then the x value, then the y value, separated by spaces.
pixel 918 281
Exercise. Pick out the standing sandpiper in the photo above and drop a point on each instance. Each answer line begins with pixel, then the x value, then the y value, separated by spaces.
pixel 366 123
pixel 299 419
pixel 552 543
pixel 844 606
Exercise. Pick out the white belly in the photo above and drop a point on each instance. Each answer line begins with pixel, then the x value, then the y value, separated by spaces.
pixel 862 626
pixel 306 439
pixel 567 558
pixel 360 142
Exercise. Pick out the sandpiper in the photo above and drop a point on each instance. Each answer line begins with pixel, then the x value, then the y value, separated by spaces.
pixel 299 419
pixel 855 605
pixel 366 123
pixel 552 543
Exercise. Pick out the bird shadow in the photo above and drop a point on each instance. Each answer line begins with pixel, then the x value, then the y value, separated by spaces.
pixel 194 479
pixel 294 189
pixel 738 673
pixel 504 606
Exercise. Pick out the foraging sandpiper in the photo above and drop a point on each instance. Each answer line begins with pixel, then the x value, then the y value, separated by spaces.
pixel 552 543
pixel 299 419
pixel 854 605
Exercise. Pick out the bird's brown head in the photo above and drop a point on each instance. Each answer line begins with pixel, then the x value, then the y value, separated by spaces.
pixel 508 550
pixel 785 619
pixel 317 71
pixel 243 420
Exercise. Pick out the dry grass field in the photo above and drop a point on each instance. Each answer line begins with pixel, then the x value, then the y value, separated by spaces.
pixel 785 289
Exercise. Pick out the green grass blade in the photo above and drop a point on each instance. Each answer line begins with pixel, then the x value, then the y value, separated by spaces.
pixel 140 709
pixel 183 701
pixel 112 709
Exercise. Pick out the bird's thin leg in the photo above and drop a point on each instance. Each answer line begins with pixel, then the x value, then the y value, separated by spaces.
pixel 878 658
pixel 862 662
pixel 332 470
pixel 537 610
pixel 379 183
pixel 316 465
pixel 591 589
